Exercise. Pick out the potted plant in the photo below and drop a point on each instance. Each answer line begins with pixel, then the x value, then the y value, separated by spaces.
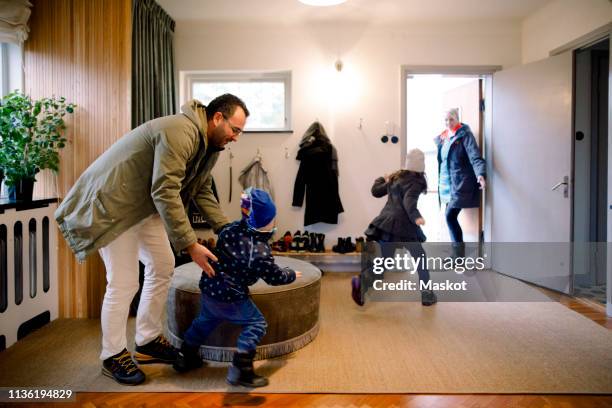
pixel 31 136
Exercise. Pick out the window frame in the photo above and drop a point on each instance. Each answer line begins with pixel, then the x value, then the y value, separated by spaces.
pixel 188 78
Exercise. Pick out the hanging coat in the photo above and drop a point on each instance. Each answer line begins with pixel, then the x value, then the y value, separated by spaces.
pixel 317 178
pixel 255 175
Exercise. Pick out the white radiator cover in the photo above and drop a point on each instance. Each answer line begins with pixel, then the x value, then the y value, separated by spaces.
pixel 16 314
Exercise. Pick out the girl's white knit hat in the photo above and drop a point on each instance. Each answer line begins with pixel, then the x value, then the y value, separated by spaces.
pixel 415 161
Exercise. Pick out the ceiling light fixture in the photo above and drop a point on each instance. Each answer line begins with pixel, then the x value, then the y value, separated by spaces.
pixel 322 3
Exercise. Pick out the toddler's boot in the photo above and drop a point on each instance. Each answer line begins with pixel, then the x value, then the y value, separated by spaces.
pixel 188 358
pixel 241 371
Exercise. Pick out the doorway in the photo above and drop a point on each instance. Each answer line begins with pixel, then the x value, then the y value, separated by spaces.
pixel 591 171
pixel 428 96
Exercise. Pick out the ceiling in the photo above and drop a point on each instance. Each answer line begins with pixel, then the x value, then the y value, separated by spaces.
pixel 373 11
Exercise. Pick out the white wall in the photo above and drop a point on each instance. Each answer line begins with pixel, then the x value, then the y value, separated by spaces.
pixel 368 88
pixel 561 22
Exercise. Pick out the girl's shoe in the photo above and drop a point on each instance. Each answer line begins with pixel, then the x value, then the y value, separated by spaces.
pixel 356 290
pixel 428 298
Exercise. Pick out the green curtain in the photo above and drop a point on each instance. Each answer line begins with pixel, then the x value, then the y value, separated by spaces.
pixel 153 84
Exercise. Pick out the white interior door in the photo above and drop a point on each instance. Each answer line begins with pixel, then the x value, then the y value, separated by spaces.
pixel 531 153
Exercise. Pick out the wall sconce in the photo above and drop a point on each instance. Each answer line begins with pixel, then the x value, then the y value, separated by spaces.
pixel 338 64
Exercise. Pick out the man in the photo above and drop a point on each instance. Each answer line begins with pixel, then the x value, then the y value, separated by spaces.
pixel 130 204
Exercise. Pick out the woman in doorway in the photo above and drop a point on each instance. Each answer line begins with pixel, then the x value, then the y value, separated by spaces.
pixel 461 174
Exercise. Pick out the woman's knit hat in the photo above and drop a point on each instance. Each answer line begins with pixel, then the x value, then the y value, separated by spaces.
pixel 415 161
pixel 257 207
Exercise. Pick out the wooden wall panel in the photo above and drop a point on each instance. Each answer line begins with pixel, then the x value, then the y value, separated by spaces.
pixel 80 49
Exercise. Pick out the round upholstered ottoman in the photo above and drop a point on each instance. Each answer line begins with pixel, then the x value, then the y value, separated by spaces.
pixel 291 311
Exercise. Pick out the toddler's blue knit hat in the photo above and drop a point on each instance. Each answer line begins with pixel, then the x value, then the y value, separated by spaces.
pixel 257 207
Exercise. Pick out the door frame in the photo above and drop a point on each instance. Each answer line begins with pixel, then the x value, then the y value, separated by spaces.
pixel 586 40
pixel 484 71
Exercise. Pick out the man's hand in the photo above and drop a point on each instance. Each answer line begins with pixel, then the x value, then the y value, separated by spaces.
pixel 482 182
pixel 200 255
pixel 420 221
pixel 298 274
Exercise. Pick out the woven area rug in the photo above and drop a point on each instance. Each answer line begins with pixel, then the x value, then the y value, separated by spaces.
pixel 399 347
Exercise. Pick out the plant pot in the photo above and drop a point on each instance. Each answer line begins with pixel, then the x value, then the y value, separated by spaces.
pixel 22 191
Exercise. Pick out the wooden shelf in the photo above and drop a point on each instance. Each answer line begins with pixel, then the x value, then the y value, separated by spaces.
pixel 327 261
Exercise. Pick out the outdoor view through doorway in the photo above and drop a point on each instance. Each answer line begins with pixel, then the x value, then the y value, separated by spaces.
pixel 427 99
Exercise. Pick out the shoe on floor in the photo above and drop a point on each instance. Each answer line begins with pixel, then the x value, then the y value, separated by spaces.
pixel 122 369
pixel 158 350
pixel 356 290
pixel 428 298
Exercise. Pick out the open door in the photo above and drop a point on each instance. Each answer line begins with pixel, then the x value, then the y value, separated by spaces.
pixel 532 169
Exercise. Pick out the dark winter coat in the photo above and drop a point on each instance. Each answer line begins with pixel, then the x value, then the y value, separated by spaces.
pixel 464 165
pixel 244 256
pixel 317 178
pixel 397 219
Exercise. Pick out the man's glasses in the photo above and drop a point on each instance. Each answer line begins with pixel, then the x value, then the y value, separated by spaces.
pixel 236 131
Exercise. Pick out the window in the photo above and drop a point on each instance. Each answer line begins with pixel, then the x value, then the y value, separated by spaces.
pixel 4 69
pixel 266 94
pixel 11 56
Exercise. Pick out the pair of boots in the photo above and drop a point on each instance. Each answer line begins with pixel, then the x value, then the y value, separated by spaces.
pixel 305 241
pixel 300 242
pixel 317 242
pixel 344 246
pixel 241 372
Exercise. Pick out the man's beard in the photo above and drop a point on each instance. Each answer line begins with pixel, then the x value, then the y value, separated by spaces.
pixel 217 138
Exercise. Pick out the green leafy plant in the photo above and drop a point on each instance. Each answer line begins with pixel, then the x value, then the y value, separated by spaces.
pixel 31 135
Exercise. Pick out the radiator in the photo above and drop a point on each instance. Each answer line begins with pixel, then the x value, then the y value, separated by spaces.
pixel 28 271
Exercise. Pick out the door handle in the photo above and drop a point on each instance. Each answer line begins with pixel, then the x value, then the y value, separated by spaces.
pixel 564 183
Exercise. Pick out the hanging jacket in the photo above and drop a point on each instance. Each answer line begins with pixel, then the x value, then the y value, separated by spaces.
pixel 255 175
pixel 464 165
pixel 398 216
pixel 158 167
pixel 317 178
pixel 244 256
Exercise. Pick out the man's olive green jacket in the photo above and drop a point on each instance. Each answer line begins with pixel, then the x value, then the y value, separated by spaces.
pixel 156 168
